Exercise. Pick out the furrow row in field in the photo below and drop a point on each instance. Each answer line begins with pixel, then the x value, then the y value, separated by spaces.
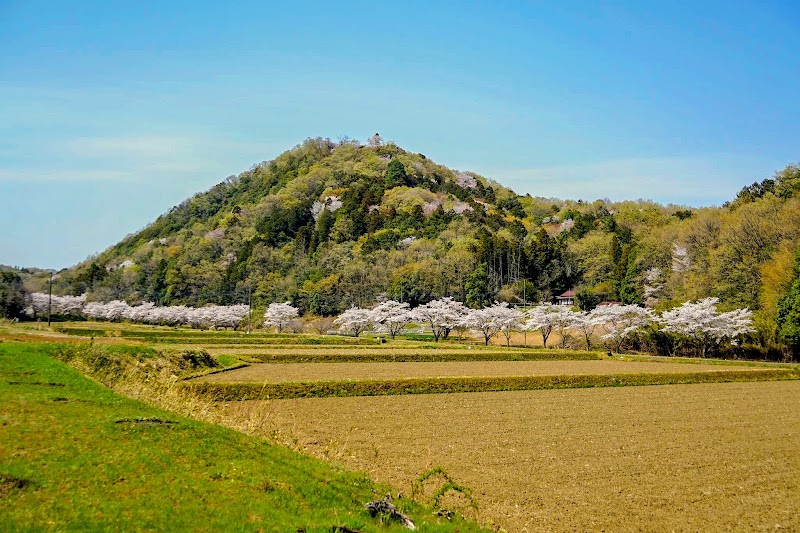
pixel 389 355
pixel 222 391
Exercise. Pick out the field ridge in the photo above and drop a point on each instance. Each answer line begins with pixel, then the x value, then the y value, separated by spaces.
pixel 319 389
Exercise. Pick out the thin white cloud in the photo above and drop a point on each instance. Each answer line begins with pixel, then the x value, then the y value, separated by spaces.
pixel 46 175
pixel 134 158
pixel 144 147
pixel 665 179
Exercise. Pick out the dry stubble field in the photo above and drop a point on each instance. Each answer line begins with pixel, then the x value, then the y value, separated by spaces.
pixel 279 373
pixel 703 457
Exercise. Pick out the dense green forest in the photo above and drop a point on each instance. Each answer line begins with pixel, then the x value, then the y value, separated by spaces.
pixel 328 225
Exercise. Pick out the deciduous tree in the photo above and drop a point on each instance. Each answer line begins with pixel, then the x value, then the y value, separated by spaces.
pixel 391 316
pixel 441 315
pixel 788 320
pixel 355 320
pixel 279 314
pixel 621 321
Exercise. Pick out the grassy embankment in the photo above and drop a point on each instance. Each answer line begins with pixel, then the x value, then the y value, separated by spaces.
pixel 75 455
pixel 289 348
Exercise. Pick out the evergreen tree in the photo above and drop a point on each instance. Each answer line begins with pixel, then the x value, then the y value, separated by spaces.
pixel 415 219
pixel 324 225
pixel 629 292
pixel 616 249
pixel 12 295
pixel 586 299
pixel 477 287
pixel 159 289
pixel 395 174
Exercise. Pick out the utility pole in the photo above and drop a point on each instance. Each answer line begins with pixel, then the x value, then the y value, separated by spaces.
pixel 49 299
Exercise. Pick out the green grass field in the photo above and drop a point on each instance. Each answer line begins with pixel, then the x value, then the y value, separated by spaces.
pixel 75 455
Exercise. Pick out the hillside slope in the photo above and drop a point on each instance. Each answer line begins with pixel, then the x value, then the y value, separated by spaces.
pixel 329 225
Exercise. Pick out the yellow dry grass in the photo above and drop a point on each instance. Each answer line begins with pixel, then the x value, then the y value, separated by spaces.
pixel 280 373
pixel 347 350
pixel 705 457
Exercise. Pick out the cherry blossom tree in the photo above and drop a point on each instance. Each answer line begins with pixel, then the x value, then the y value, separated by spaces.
pixel 466 181
pixel 704 325
pixel 681 260
pixel 391 316
pixel 172 315
pixel 441 315
pixel 112 311
pixel 566 225
pixel 546 317
pixel 563 321
pixel 490 321
pixel 484 321
pixel 330 203
pixel 116 310
pixel 621 321
pixel 510 320
pixel 94 310
pixel 586 323
pixel 70 305
pixel 143 313
pixel 58 305
pixel 217 316
pixel 653 286
pixel 228 316
pixel 279 314
pixel 355 320
pixel 39 303
pixel 198 317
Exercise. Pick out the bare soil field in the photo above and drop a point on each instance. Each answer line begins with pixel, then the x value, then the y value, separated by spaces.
pixel 301 372
pixel 703 457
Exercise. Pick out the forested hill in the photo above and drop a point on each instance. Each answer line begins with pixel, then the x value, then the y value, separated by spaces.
pixel 328 225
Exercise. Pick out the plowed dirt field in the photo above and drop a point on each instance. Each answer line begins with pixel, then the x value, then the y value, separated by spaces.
pixel 278 373
pixel 703 457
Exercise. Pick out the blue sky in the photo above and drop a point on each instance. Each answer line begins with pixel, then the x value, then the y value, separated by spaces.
pixel 112 112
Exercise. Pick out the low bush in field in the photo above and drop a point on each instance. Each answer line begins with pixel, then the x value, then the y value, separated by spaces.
pixel 319 389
